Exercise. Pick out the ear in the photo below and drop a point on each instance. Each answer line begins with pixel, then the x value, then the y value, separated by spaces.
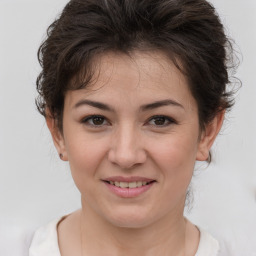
pixel 208 136
pixel 57 136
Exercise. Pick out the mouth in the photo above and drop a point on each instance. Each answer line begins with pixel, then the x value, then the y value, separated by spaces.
pixel 133 184
pixel 129 187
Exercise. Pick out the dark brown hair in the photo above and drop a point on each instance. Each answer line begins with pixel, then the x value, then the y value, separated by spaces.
pixel 189 32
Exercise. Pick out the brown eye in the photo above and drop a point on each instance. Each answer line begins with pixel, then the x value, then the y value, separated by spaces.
pixel 161 121
pixel 98 120
pixel 95 121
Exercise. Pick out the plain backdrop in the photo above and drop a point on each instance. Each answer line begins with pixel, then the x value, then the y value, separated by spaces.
pixel 35 186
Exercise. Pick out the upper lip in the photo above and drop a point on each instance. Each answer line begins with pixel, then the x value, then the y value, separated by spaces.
pixel 128 179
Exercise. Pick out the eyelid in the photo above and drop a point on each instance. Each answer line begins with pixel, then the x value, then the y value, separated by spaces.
pixel 90 117
pixel 169 119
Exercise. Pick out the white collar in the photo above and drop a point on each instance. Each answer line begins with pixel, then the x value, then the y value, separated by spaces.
pixel 45 242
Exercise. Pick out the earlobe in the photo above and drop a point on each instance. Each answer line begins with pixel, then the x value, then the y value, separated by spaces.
pixel 208 136
pixel 57 137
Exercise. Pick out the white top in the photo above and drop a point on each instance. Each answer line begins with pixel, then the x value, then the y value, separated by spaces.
pixel 45 242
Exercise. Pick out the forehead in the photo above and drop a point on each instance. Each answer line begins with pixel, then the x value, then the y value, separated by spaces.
pixel 141 76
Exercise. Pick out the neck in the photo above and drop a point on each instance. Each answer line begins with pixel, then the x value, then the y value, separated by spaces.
pixel 164 237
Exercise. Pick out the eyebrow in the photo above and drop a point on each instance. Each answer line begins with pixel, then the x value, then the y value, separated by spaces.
pixel 145 107
pixel 161 103
pixel 94 104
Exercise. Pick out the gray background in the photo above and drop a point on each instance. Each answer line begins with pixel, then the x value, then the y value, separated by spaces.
pixel 35 186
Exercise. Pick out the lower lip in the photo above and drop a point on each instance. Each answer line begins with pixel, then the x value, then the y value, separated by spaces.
pixel 128 192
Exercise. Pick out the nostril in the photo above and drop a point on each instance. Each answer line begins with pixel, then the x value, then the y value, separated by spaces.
pixel 126 159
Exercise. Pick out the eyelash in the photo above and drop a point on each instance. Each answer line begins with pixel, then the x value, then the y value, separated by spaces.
pixel 88 118
pixel 166 118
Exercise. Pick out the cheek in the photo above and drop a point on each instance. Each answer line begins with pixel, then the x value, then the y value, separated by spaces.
pixel 84 155
pixel 176 151
pixel 175 157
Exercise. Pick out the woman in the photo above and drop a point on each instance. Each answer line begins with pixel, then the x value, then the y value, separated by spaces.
pixel 134 93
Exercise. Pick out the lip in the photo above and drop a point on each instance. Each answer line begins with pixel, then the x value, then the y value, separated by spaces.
pixel 127 179
pixel 128 192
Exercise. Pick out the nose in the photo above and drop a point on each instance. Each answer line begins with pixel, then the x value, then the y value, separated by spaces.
pixel 126 148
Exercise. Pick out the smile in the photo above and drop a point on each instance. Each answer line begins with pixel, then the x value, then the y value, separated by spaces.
pixel 134 184
pixel 128 187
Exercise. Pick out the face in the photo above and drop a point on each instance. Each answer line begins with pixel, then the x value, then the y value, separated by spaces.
pixel 132 139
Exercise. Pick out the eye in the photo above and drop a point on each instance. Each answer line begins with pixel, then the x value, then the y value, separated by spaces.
pixel 161 121
pixel 95 120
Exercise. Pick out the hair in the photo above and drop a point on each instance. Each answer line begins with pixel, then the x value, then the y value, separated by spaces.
pixel 188 32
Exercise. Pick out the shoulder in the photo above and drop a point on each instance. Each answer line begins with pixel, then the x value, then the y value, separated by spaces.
pixel 49 239
pixel 45 240
pixel 210 246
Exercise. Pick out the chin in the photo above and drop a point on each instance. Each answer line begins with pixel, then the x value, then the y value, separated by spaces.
pixel 130 223
pixel 130 219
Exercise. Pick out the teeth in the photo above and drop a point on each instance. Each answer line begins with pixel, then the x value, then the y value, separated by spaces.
pixel 139 183
pixel 124 185
pixel 134 184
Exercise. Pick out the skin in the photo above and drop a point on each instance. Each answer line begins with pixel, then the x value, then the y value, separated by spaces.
pixel 128 140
